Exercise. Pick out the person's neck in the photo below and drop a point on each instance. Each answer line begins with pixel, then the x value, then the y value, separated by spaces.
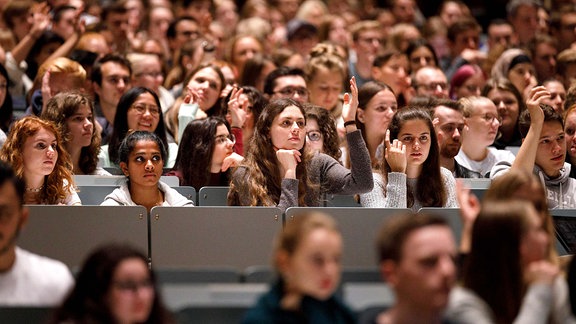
pixel 34 182
pixel 146 196
pixel 75 153
pixel 7 259
pixel 474 151
pixel 413 171
pixel 405 314
pixel 215 167
pixel 364 67
pixel 448 163
pixel 109 111
pixel 372 142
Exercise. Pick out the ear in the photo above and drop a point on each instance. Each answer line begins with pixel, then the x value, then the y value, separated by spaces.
pixel 360 114
pixel 376 73
pixel 124 168
pixel 282 261
pixel 24 215
pixel 97 88
pixel 388 270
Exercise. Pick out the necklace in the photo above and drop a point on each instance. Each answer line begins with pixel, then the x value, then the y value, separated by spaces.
pixel 28 189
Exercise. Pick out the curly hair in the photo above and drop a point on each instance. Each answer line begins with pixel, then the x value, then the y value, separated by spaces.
pixel 121 121
pixel 195 151
pixel 262 167
pixel 59 110
pixel 327 126
pixel 430 189
pixel 59 183
pixel 87 302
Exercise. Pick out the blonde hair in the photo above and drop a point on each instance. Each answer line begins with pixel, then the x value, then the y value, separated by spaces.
pixel 469 104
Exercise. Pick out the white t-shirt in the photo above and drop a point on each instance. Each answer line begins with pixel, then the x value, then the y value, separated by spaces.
pixel 485 166
pixel 35 280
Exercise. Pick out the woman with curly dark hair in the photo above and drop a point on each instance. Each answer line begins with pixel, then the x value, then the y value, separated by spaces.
pixel 321 134
pixel 35 150
pixel 115 285
pixel 277 170
pixel 206 154
pixel 73 113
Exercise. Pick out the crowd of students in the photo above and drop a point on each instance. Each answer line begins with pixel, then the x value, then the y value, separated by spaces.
pixel 285 101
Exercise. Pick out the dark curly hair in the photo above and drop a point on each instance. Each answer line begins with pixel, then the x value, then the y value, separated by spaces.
pixel 327 126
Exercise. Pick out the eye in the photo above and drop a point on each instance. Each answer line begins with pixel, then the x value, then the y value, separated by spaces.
pixel 157 158
pixel 54 145
pixel 424 138
pixel 570 131
pixel 561 137
pixel 286 123
pixel 407 139
pixel 139 159
pixel 429 262
pixel 41 145
pixel 301 124
pixel 545 141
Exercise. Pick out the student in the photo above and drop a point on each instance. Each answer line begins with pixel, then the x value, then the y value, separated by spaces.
pixel 138 109
pixel 74 114
pixel 142 155
pixel 510 105
pixel 321 134
pixel 570 129
pixel 35 150
pixel 206 154
pixel 416 258
pixel 482 123
pixel 277 171
pixel 410 173
pixel 543 151
pixel 307 255
pixel 114 285
pixel 26 279
pixel 376 105
pixel 506 276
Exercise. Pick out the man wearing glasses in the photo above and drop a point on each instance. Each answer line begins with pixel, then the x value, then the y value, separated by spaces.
pixel 367 42
pixel 286 82
pixel 111 77
pixel 430 81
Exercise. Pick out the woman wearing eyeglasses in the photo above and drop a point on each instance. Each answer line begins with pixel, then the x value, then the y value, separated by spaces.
pixel 482 121
pixel 115 285
pixel 138 109
pixel 321 134
pixel 278 171
pixel 206 154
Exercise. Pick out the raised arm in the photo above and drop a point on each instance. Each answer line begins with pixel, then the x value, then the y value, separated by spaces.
pixel 527 153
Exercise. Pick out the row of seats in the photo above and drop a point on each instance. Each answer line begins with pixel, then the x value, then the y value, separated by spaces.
pixel 236 237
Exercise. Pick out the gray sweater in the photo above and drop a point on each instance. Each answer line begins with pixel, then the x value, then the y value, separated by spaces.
pixel 397 187
pixel 324 171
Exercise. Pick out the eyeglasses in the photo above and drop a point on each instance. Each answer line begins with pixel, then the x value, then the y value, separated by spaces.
pixel 133 286
pixel 433 86
pixel 314 136
pixel 370 40
pixel 489 118
pixel 291 91
pixel 223 139
pixel 150 74
pixel 116 79
pixel 142 108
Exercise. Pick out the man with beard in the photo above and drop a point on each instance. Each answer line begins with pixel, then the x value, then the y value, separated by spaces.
pixel 25 278
pixel 448 123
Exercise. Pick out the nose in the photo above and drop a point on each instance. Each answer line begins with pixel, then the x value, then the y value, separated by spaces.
pixel 423 61
pixel 51 151
pixel 456 134
pixel 149 166
pixel 295 127
pixel 416 145
pixel 447 267
pixel 121 84
pixel 501 105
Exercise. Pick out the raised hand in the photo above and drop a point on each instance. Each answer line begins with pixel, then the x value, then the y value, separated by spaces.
pixel 350 102
pixel 237 108
pixel 536 95
pixel 289 160
pixel 395 154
